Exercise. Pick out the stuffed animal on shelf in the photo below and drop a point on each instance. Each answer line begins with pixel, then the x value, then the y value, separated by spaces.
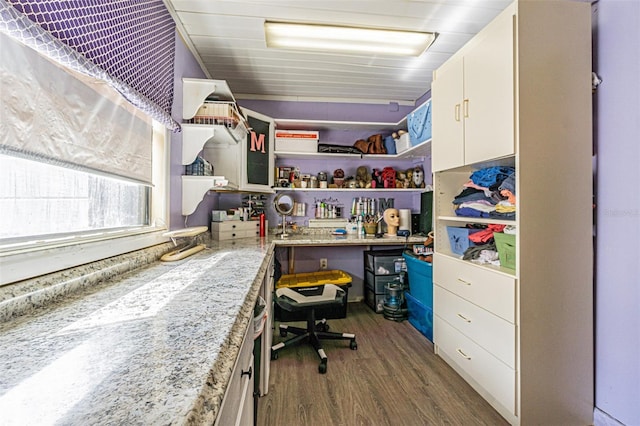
pixel 409 179
pixel 417 180
pixel 338 178
pixel 363 177
pixel 401 179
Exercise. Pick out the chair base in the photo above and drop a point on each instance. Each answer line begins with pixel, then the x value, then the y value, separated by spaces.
pixel 312 335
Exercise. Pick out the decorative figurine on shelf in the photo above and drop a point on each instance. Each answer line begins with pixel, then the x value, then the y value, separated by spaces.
pixel 418 177
pixel 376 178
pixel 392 219
pixel 403 179
pixel 363 177
pixel 338 178
pixel 388 177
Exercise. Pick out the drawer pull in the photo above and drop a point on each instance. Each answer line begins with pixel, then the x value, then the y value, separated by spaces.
pixel 465 356
pixel 466 108
pixel 457 112
pixel 464 282
pixel 464 318
pixel 246 373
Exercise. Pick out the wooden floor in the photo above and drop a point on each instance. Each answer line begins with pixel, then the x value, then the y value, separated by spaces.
pixel 393 378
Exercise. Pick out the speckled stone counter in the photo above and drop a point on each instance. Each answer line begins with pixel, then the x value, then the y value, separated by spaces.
pixel 153 346
pixel 156 346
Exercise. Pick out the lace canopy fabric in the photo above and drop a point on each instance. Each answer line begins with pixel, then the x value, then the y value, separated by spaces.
pixel 130 45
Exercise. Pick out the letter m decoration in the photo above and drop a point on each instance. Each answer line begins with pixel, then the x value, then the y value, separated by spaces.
pixel 257 142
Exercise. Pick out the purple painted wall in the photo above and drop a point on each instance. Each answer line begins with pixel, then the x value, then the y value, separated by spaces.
pixel 185 66
pixel 617 103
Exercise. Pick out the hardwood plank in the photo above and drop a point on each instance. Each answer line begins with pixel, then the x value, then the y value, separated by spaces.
pixel 394 378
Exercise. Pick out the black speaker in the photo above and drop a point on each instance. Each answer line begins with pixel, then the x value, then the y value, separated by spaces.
pixel 426 213
pixel 415 223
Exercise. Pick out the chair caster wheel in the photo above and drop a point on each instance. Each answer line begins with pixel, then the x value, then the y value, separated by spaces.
pixel 322 327
pixel 274 355
pixel 322 368
pixel 353 345
pixel 283 333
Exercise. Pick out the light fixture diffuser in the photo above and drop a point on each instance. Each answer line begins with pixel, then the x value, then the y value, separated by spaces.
pixel 285 35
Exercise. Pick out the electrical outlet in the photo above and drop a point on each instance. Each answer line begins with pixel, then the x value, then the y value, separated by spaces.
pixel 323 263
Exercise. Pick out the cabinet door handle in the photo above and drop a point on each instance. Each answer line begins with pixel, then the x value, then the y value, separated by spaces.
pixel 457 112
pixel 249 372
pixel 466 108
pixel 464 282
pixel 464 318
pixel 462 354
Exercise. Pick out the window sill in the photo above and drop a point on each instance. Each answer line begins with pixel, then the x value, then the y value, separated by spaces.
pixel 20 262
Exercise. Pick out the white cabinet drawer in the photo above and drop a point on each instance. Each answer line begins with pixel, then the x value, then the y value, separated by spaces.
pixel 469 359
pixel 235 225
pixel 233 229
pixel 493 291
pixel 493 333
pixel 229 235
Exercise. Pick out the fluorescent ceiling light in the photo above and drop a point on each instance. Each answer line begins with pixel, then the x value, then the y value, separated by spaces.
pixel 284 35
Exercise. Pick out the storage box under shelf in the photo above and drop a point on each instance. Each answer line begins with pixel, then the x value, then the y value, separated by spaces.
pixel 378 283
pixel 420 275
pixel 420 316
pixel 384 262
pixel 373 300
pixel 506 246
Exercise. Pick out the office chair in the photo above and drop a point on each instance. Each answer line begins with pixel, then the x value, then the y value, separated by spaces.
pixel 308 299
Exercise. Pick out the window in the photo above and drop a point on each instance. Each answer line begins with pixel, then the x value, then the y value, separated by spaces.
pixel 42 200
pixel 83 173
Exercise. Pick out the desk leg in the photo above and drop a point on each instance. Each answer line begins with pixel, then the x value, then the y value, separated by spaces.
pixel 291 260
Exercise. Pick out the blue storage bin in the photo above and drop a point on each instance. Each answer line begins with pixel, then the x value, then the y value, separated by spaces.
pixel 459 239
pixel 420 279
pixel 420 316
pixel 419 124
pixel 390 145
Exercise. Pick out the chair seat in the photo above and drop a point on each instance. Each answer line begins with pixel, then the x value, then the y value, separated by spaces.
pixel 302 298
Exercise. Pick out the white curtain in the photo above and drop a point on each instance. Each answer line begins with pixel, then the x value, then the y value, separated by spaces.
pixel 48 114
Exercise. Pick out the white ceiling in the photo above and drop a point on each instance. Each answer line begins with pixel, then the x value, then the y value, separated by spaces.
pixel 228 37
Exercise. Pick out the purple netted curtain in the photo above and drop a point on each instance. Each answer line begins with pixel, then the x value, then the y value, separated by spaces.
pixel 128 44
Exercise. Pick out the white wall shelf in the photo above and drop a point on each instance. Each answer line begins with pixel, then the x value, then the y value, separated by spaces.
pixel 483 220
pixel 196 136
pixel 294 124
pixel 196 90
pixel 419 152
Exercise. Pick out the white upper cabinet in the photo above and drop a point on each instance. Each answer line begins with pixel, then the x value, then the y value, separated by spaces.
pixel 474 94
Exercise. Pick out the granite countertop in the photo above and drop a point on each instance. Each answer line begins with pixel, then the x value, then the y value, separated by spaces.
pixel 154 346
